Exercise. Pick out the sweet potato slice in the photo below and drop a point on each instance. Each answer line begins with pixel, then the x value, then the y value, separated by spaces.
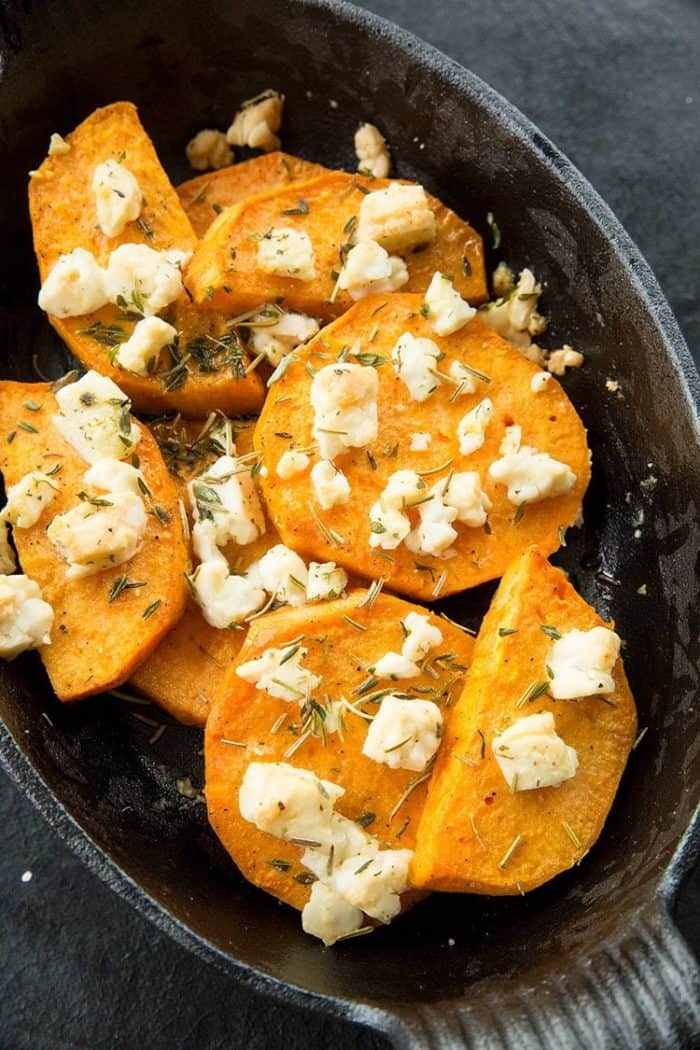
pixel 549 422
pixel 328 205
pixel 477 837
pixel 388 802
pixel 95 644
pixel 62 210
pixel 204 197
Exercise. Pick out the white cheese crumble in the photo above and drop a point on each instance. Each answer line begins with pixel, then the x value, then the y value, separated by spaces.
pixel 466 380
pixel 144 279
pixel 209 150
pixel 139 354
pixel 515 317
pixel 559 360
pixel 375 887
pixel 511 441
pixel 257 121
pixel 28 498
pixel 389 523
pixel 459 497
pixel 118 197
pixel 420 441
pixel 539 382
pixel 224 598
pixel 398 218
pixel 395 665
pixel 282 573
pixel 325 581
pixel 532 476
pixel 279 673
pixel 421 636
pixel 74 286
pixel 58 145
pixel 286 252
pixel 471 429
pixel 503 279
pixel 95 418
pixel 344 400
pixel 288 802
pixel 8 563
pixel 225 499
pixel 281 337
pixel 530 754
pixel 373 157
pixel 25 618
pixel 415 361
pixel 404 734
pixel 93 537
pixel 328 916
pixel 331 487
pixel 292 463
pixel 581 663
pixel 446 309
pixel 368 268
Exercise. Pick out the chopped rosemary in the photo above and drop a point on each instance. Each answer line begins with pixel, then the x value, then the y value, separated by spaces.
pixel 150 609
pixel 363 930
pixel 411 787
pixel 372 594
pixel 571 833
pixel 551 632
pixel 365 819
pixel 302 208
pixel 121 584
pixel 279 865
pixel 466 266
pixel 27 426
pixel 233 743
pixel 477 835
pixel 495 230
pixel 355 624
pixel 520 511
pixel 510 851
pixel 442 580
pixel 331 537
pixel 639 739
pixel 504 631
pixel 463 759
pixel 31 405
pixel 533 692
pixel 146 230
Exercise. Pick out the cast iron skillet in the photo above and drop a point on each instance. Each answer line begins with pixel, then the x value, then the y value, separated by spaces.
pixel 593 958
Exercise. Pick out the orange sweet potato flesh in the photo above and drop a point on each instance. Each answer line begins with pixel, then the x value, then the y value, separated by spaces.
pixel 219 281
pixel 204 196
pixel 339 653
pixel 62 209
pixel 549 422
pixel 471 819
pixel 95 644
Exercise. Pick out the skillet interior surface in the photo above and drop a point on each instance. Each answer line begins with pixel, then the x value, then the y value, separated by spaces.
pixel 187 70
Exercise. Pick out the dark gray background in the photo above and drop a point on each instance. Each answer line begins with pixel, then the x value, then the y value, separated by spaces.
pixel 615 84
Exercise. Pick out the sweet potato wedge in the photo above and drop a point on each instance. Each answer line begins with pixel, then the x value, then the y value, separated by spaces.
pixel 329 202
pixel 205 196
pixel 548 420
pixel 62 210
pixel 383 799
pixel 477 837
pixel 95 644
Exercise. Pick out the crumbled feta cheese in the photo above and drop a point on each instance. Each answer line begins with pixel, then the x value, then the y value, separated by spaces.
pixel 287 252
pixel 611 385
pixel 539 382
pixel 282 573
pixel 373 156
pixel 471 429
pixel 559 360
pixel 257 121
pixel 74 286
pixel 95 418
pixel 280 674
pixel 348 839
pixel 28 498
pixel 288 802
pixel 58 145
pixel 92 537
pixel 140 352
pixel 292 463
pixel 466 380
pixel 511 441
pixel 325 581
pixel 404 734
pixel 328 916
pixel 463 492
pixel 421 636
pixel 375 888
pixel 118 197
pixel 286 334
pixel 581 663
pixel 398 218
pixel 331 487
pixel 503 279
pixel 447 310
pixel 514 316
pixel 25 618
pixel 394 665
pixel 209 150
pixel 344 400
pixel 8 563
pixel 113 475
pixel 458 497
pixel 532 476
pixel 225 598
pixel 226 495
pixel 368 268
pixel 388 522
pixel 530 754
pixel 420 441
pixel 144 279
pixel 415 361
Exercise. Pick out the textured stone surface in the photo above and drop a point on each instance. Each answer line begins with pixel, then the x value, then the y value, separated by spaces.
pixel 616 87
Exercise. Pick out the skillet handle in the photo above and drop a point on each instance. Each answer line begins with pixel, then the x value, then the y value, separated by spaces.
pixel 641 991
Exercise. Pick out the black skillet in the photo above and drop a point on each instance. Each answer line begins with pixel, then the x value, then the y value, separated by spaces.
pixel 593 959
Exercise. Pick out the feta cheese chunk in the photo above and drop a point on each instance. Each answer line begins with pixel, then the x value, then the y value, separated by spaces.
pixel 144 279
pixel 287 252
pixel 581 663
pixel 375 887
pixel 292 463
pixel 99 535
pixel 511 441
pixel 280 674
pixel 515 317
pixel 389 523
pixel 95 418
pixel 328 916
pixel 530 754
pixel 331 487
pixel 344 400
pixel 540 381
pixel 466 380
pixel 471 429
pixel 394 665
pixel 288 802
pixel 58 145
pixel 348 839
pixel 372 152
pixel 420 441
pixel 225 598
pixel 226 495
pixel 447 310
pixel 282 573
pixel 421 636
pixel 208 150
pixel 404 734
pixel 118 197
pixel 398 218
pixel 74 286
pixel 325 581
pixel 455 498
pixel 559 360
pixel 281 337
pixel 257 121
pixel 532 476
pixel 415 361
pixel 25 618
pixel 28 498
pixel 368 268
pixel 8 563
pixel 139 354
pixel 463 492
